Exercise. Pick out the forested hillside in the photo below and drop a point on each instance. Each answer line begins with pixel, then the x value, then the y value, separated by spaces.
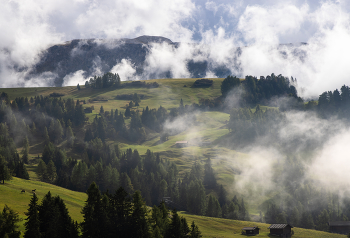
pixel 229 148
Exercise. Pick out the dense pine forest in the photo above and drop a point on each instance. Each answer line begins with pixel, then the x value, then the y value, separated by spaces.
pixel 79 153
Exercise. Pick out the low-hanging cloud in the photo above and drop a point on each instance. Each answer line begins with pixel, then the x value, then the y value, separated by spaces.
pixel 217 29
pixel 125 69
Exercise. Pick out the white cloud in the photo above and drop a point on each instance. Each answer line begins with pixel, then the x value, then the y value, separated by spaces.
pixel 74 79
pixel 221 26
pixel 125 70
pixel 164 57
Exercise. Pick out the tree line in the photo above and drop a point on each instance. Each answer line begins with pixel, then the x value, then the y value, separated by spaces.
pixel 303 204
pixel 154 177
pixel 105 215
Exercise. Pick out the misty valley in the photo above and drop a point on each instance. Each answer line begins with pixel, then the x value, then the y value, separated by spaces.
pixel 148 158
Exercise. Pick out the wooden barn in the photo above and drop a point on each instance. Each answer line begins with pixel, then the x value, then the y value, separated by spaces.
pixel 250 230
pixel 340 227
pixel 180 144
pixel 281 230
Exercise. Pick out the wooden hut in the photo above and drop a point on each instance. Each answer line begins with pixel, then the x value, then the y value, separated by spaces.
pixel 281 230
pixel 340 227
pixel 250 230
pixel 180 144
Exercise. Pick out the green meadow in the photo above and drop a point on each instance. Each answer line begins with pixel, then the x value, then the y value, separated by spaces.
pixel 10 194
pixel 209 127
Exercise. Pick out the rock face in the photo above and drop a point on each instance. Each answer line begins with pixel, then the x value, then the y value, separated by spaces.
pixel 92 54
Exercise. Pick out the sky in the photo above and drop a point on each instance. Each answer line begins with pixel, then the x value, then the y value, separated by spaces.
pixel 29 27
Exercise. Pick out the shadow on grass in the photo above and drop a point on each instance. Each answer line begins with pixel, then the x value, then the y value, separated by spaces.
pixel 91 92
pixel 37 149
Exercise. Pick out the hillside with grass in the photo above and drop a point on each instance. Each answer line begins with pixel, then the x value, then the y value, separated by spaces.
pixel 225 148
pixel 11 195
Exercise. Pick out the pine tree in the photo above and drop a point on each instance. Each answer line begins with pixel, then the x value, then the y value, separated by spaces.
pixel 21 171
pixel 41 171
pixel 120 213
pixel 8 223
pixel 322 221
pixel 222 195
pixel 174 229
pixel 294 217
pixel 195 233
pixel 139 220
pixel 54 218
pixel 70 136
pixel 209 177
pixel 93 213
pixel 5 173
pixel 32 224
pixel 51 172
pixel 46 135
pixel 25 150
pixel 127 112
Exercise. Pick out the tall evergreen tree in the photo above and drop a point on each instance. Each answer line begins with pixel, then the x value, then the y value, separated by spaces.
pixel 9 223
pixel 32 224
pixel 195 233
pixel 5 173
pixel 51 172
pixel 92 226
pixel 25 150
pixel 70 136
pixel 209 177
pixel 139 220
pixel 41 170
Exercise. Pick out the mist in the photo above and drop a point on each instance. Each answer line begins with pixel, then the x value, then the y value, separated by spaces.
pixel 208 31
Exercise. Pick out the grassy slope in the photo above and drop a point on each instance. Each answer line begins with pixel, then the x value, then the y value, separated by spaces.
pixel 10 194
pixel 210 126
pixel 218 227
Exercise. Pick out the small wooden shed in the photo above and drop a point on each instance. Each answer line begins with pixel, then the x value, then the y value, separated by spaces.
pixel 250 230
pixel 281 230
pixel 340 227
pixel 180 144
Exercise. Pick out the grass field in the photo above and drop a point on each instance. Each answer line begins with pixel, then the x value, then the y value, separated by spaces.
pixel 10 194
pixel 208 127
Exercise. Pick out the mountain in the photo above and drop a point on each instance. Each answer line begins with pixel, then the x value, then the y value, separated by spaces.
pixel 100 55
pixel 97 56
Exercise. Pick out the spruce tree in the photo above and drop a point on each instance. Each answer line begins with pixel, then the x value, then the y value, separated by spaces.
pixel 25 150
pixel 174 229
pixel 5 173
pixel 92 211
pixel 41 171
pixel 32 224
pixel 120 213
pixel 139 220
pixel 8 223
pixel 46 135
pixel 209 177
pixel 70 137
pixel 51 172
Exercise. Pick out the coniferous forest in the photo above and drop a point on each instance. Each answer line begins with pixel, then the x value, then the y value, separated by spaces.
pixel 138 194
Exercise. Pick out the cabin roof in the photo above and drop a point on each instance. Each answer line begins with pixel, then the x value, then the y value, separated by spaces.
pixel 339 223
pixel 279 226
pixel 249 228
